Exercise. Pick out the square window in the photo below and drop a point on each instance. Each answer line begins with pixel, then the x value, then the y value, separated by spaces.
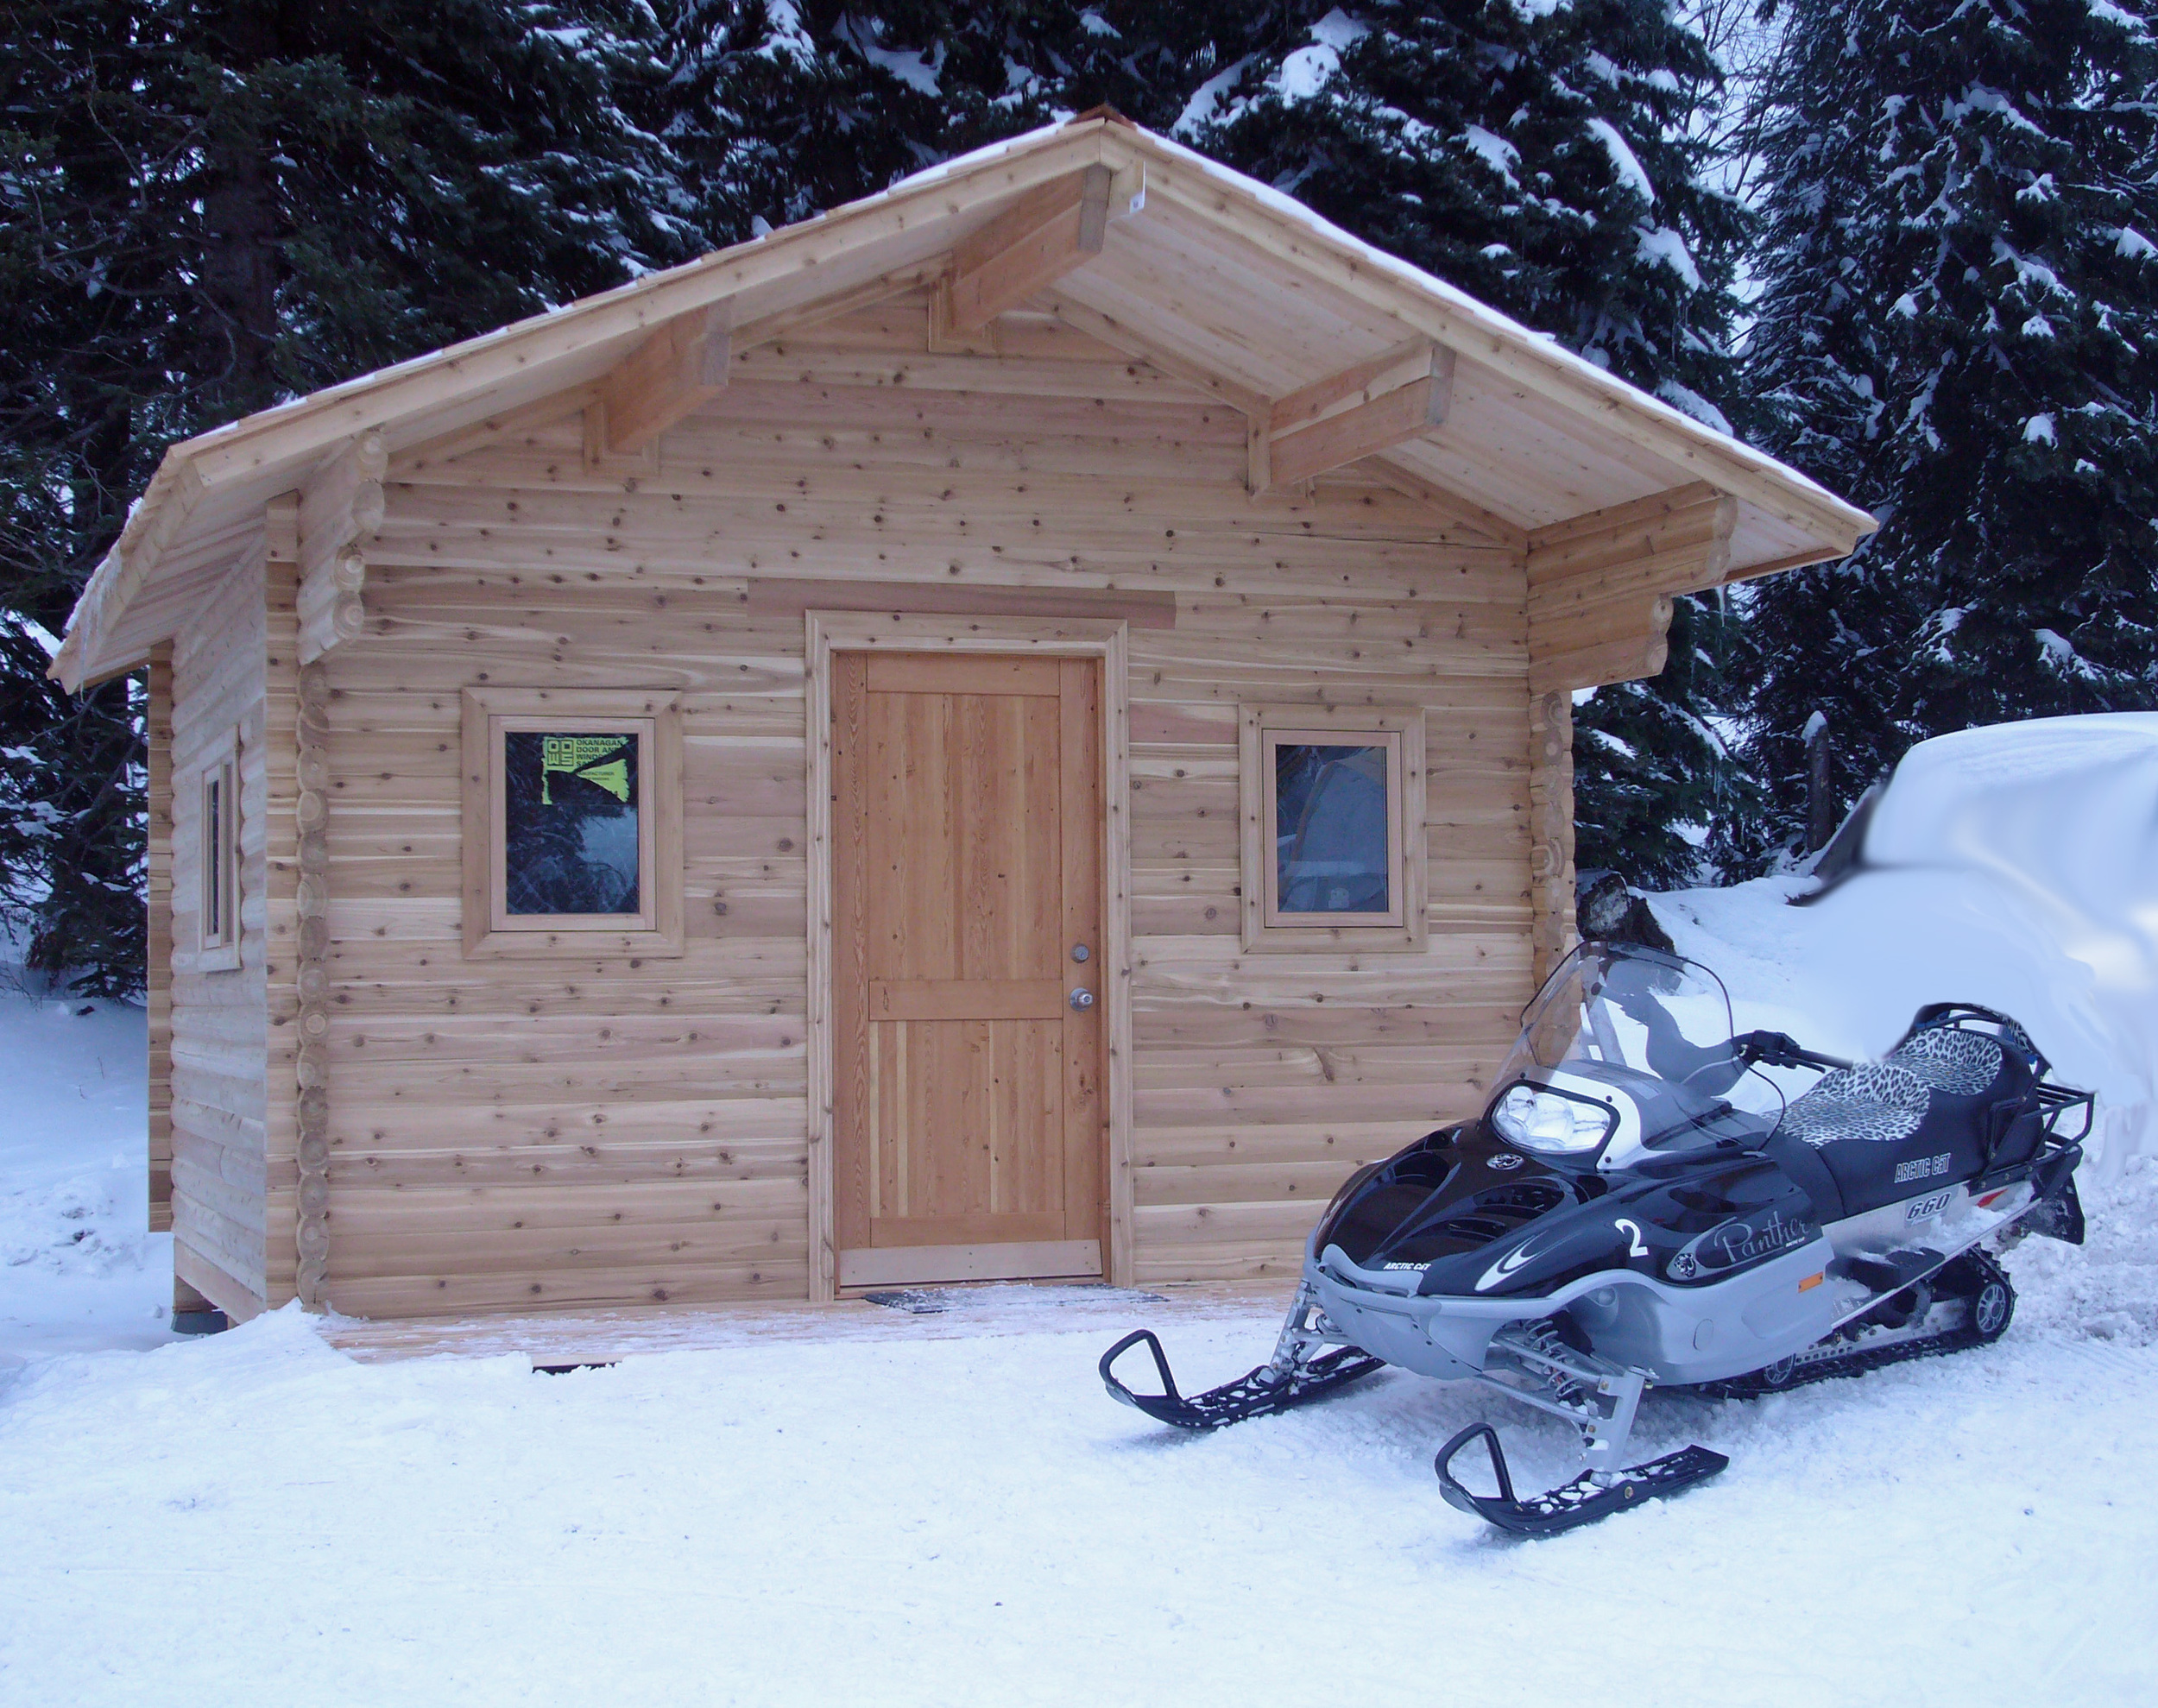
pixel 1333 852
pixel 572 822
pixel 1333 843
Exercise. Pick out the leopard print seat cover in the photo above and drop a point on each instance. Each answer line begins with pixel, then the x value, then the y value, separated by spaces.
pixel 1884 1102
pixel 1962 1063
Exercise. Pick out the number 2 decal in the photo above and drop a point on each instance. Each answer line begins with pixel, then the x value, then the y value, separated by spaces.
pixel 1633 1230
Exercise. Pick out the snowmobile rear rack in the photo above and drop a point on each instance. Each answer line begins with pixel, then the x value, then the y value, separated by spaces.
pixel 1257 1393
pixel 1589 1496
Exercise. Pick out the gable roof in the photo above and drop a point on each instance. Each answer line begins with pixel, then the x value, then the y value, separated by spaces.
pixel 1210 276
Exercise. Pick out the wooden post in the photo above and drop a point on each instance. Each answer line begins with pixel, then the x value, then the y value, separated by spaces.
pixel 1550 829
pixel 1820 801
pixel 312 1056
pixel 158 948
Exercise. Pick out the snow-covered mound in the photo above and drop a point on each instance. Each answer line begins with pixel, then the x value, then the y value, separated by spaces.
pixel 2017 866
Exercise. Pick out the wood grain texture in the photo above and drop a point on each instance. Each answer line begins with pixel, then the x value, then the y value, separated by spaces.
pixel 1039 238
pixel 157 993
pixel 220 1168
pixel 295 1002
pixel 967 821
pixel 683 364
pixel 594 1087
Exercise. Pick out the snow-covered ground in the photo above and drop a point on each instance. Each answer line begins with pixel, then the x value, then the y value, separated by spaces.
pixel 78 1271
pixel 967 1519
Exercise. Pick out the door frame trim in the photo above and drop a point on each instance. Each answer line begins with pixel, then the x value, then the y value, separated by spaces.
pixel 1109 640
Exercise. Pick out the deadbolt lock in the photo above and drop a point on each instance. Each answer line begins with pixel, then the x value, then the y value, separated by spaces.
pixel 1080 951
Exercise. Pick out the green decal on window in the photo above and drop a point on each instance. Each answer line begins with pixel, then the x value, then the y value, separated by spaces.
pixel 599 759
pixel 571 827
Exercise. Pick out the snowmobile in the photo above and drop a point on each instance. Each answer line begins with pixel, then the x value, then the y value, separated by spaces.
pixel 1638 1205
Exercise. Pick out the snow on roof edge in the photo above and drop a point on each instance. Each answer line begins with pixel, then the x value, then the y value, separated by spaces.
pixel 146 512
pixel 1289 207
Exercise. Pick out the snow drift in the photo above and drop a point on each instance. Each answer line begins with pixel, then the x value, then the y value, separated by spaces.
pixel 2016 866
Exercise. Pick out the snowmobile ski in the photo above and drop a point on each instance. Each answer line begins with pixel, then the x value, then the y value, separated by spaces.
pixel 1591 1495
pixel 1257 1393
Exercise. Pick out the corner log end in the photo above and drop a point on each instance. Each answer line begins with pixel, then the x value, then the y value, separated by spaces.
pixel 337 514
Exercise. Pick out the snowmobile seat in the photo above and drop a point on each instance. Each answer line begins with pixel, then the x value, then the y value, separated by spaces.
pixel 1944 1103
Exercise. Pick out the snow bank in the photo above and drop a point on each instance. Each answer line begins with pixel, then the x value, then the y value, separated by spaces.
pixel 2017 866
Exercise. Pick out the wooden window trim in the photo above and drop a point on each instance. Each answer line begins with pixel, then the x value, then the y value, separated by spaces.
pixel 1399 730
pixel 654 717
pixel 217 865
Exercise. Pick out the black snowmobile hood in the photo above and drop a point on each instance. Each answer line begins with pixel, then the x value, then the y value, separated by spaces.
pixel 1463 1213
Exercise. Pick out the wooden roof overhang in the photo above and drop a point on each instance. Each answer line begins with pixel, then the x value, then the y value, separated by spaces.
pixel 1335 353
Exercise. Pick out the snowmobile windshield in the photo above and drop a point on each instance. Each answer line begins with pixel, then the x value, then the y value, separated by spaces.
pixel 1619 1014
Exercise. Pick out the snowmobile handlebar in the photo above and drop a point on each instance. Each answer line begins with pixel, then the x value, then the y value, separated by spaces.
pixel 1780 1049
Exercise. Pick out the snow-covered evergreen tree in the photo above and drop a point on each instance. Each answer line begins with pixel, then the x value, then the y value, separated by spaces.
pixel 208 207
pixel 1959 330
pixel 790 107
pixel 1550 160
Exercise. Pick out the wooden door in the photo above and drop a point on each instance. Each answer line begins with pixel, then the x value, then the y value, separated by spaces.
pixel 970 1130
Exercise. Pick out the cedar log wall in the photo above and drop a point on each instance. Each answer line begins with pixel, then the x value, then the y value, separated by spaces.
pixel 510 1133
pixel 217 1061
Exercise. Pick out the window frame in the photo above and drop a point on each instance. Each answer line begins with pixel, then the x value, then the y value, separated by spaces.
pixel 218 873
pixel 1400 731
pixel 653 717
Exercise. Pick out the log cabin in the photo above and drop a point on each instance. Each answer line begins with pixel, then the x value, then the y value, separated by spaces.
pixel 1020 728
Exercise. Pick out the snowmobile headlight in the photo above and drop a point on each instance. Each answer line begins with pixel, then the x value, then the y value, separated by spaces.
pixel 1556 1123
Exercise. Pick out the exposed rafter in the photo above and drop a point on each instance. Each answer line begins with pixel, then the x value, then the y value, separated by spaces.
pixel 1367 408
pixel 1034 243
pixel 677 367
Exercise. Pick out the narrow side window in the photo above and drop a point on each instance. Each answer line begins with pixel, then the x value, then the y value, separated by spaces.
pixel 218 863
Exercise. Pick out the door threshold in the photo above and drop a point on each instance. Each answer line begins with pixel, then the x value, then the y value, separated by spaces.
pixel 928 1266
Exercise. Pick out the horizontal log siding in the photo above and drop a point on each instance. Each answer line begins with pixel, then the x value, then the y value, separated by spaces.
pixel 592 1132
pixel 219 1179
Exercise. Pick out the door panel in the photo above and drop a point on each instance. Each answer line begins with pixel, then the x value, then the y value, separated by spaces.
pixel 967 830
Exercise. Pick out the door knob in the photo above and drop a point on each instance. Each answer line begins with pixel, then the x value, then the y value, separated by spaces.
pixel 1082 998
